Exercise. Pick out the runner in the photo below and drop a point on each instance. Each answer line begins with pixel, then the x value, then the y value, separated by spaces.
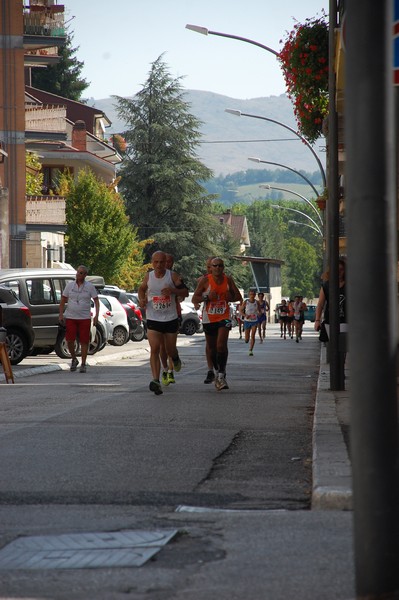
pixel 262 320
pixel 283 316
pixel 299 317
pixel 210 376
pixel 216 291
pixel 250 313
pixel 168 375
pixel 157 294
pixel 290 319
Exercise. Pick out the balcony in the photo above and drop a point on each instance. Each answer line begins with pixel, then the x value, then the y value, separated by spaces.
pixel 45 122
pixel 45 213
pixel 43 26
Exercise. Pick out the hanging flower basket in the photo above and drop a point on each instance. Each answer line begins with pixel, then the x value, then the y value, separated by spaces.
pixel 304 60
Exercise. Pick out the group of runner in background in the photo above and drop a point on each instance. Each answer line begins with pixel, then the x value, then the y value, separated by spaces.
pixel 291 316
pixel 251 316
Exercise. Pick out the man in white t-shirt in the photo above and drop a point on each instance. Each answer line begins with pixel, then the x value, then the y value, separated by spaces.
pixel 77 295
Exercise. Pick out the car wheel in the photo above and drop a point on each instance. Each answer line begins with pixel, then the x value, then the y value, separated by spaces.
pixel 189 327
pixel 138 334
pixel 61 348
pixel 97 343
pixel 119 336
pixel 17 345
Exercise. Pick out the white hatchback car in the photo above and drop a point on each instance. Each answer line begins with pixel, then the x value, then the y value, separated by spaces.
pixel 118 320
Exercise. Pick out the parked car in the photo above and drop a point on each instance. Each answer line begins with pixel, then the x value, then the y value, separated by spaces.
pixel 136 326
pixel 191 322
pixel 133 296
pixel 310 313
pixel 16 318
pixel 40 290
pixel 117 317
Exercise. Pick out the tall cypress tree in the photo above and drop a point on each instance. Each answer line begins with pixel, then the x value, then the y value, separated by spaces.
pixel 63 78
pixel 162 175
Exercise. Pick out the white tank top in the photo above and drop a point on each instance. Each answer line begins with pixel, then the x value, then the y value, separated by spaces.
pixel 160 307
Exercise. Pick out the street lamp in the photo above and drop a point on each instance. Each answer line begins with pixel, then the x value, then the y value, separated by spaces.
pixel 268 162
pixel 305 225
pixel 238 113
pixel 205 31
pixel 272 187
pixel 299 212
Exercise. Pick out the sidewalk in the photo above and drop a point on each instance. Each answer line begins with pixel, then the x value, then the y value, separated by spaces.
pixel 332 484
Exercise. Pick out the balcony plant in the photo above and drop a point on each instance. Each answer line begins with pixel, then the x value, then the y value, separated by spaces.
pixel 304 60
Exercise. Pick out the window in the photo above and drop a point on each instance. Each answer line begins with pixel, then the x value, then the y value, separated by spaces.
pixel 40 291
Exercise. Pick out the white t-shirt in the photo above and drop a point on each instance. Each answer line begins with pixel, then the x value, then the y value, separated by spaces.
pixel 79 299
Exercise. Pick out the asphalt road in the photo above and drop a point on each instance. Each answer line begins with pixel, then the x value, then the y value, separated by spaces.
pixel 99 452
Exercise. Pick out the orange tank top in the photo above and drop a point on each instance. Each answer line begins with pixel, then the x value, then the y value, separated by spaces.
pixel 217 310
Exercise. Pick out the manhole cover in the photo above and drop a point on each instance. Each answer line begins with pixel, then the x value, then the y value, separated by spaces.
pixel 84 550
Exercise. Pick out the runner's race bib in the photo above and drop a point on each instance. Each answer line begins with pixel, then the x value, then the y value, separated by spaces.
pixel 161 302
pixel 216 308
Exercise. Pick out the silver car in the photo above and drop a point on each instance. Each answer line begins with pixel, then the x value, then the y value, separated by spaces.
pixel 117 318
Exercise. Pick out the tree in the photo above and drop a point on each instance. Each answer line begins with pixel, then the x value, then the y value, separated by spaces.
pixel 302 264
pixel 63 78
pixel 34 176
pixel 161 176
pixel 99 234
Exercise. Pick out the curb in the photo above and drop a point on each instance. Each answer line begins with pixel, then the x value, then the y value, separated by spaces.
pixel 332 479
pixel 92 360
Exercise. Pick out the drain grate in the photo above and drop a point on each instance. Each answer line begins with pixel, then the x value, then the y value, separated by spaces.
pixel 84 550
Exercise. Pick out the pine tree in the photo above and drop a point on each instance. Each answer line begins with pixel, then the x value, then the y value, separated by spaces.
pixel 161 175
pixel 63 78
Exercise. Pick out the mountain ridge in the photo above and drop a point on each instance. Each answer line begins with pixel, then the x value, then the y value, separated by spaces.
pixel 229 140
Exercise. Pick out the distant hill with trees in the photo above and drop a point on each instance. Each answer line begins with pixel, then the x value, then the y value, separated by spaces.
pixel 228 141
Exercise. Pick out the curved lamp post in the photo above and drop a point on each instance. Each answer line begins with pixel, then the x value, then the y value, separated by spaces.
pixel 272 187
pixel 268 162
pixel 206 31
pixel 305 225
pixel 238 113
pixel 299 212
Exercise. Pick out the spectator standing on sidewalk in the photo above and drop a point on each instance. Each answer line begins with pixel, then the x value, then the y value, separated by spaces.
pixel 77 316
pixel 322 304
pixel 216 291
pixel 250 313
pixel 157 293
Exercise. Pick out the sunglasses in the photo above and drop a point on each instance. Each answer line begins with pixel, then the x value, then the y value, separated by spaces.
pixel 217 265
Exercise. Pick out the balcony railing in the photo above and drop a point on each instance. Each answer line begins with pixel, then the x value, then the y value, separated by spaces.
pixel 45 210
pixel 45 118
pixel 43 20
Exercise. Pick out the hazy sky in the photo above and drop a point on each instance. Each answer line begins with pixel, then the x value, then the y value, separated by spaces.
pixel 119 40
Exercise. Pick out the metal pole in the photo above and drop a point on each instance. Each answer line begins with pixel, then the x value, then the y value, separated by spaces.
pixel 336 368
pixel 238 113
pixel 372 258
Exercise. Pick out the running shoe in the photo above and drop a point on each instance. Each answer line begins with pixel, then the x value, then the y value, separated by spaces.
pixel 165 379
pixel 221 383
pixel 177 364
pixel 251 353
pixel 155 387
pixel 297 341
pixel 171 377
pixel 82 369
pixel 210 377
pixel 74 364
